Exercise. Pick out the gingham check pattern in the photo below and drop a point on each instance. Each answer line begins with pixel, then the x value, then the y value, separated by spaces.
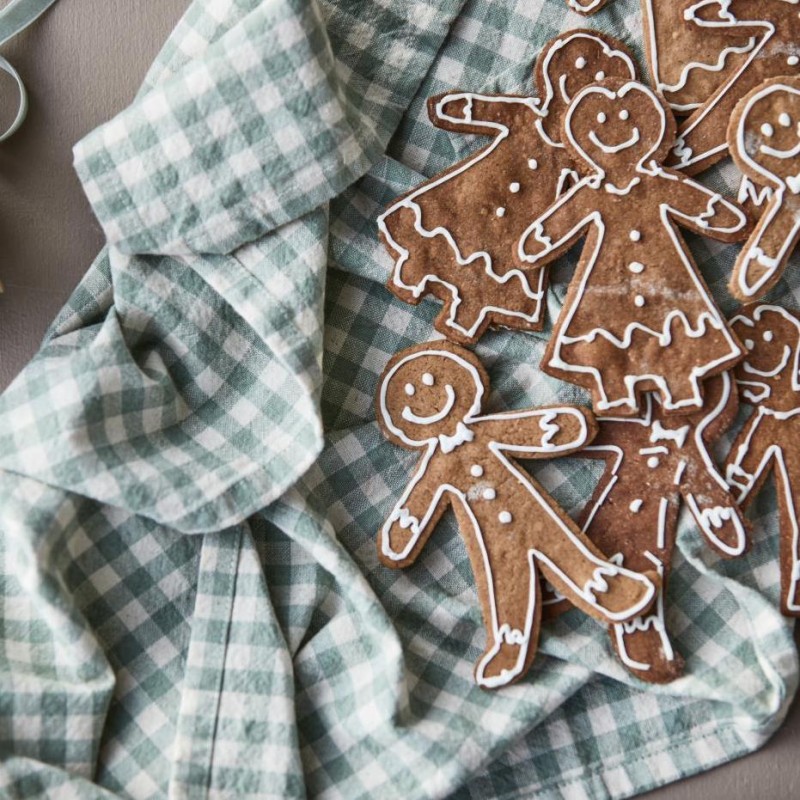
pixel 193 479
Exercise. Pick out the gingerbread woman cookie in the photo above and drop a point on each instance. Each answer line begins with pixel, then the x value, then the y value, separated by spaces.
pixel 776 27
pixel 764 138
pixel 452 236
pixel 653 464
pixel 769 380
pixel 430 399
pixel 638 315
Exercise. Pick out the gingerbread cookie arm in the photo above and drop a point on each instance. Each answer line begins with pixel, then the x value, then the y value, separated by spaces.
pixel 541 432
pixel 763 260
pixel 483 114
pixel 747 464
pixel 556 230
pixel 704 211
pixel 413 519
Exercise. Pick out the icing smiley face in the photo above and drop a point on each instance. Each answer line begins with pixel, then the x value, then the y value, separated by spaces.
pixel 574 61
pixel 430 392
pixel 617 126
pixel 767 133
pixel 771 336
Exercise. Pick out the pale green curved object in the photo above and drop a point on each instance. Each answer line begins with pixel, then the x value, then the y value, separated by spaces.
pixel 14 18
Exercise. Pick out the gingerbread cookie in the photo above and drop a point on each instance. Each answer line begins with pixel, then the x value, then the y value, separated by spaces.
pixel 454 234
pixel 429 400
pixel 690 61
pixel 638 315
pixel 653 465
pixel 764 137
pixel 769 380
pixel 775 24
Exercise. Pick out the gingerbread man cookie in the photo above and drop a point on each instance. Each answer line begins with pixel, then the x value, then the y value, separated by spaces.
pixel 638 315
pixel 769 380
pixel 653 464
pixel 430 399
pixel 775 24
pixel 452 236
pixel 764 138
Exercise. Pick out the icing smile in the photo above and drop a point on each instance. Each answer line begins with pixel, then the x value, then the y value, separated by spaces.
pixel 410 416
pixel 775 153
pixel 787 354
pixel 614 148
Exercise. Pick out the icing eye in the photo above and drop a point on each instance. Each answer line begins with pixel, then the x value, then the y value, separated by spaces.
pixel 601 117
pixel 410 390
pixel 785 120
pixel 427 379
pixel 598 76
pixel 580 63
pixel 767 129
pixel 749 344
pixel 623 115
pixel 768 336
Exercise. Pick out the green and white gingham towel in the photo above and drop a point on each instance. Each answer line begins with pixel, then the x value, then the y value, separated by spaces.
pixel 193 479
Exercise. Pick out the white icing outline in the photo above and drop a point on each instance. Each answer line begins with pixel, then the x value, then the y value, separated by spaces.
pixel 586 6
pixel 712 317
pixel 540 107
pixel 603 569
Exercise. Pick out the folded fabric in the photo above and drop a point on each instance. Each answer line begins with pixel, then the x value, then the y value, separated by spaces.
pixel 193 478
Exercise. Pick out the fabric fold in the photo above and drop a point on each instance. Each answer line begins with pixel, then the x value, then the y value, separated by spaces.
pixel 270 124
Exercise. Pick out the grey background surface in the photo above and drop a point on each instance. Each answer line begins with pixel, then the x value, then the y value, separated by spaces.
pixel 82 63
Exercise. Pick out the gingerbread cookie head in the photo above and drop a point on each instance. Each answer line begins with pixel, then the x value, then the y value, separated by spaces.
pixel 428 392
pixel 574 60
pixel 769 374
pixel 618 127
pixel 764 133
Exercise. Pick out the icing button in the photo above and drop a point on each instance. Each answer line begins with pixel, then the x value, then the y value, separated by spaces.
pixel 653 462
pixel 489 494
pixel 514 187
pixel 476 470
pixel 533 163
pixel 501 212
pixel 639 301
pixel 793 61
pixel 505 517
pixel 635 236
pixel 636 267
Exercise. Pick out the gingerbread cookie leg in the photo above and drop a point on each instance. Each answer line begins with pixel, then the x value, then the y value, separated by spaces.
pixel 577 571
pixel 638 529
pixel 508 589
pixel 643 644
